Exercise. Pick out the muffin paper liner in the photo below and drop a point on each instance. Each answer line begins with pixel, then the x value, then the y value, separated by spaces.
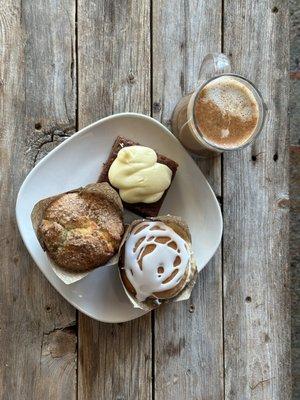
pixel 191 278
pixel 104 190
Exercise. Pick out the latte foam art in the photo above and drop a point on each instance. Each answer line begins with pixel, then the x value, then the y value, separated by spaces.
pixel 156 258
pixel 227 112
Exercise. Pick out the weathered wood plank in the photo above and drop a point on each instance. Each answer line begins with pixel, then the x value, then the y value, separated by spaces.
pixel 188 335
pixel 294 105
pixel 295 264
pixel 255 204
pixel 294 109
pixel 37 97
pixel 114 76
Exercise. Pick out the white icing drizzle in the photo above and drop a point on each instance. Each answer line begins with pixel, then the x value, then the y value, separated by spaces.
pixel 149 277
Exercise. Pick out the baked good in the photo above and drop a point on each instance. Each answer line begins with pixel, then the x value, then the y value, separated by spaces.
pixel 156 261
pixel 82 230
pixel 144 208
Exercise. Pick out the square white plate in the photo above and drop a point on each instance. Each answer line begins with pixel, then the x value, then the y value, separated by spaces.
pixel 77 162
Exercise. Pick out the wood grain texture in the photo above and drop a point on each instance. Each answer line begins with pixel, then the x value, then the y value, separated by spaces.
pixel 295 265
pixel 294 112
pixel 255 204
pixel 188 335
pixel 294 104
pixel 37 97
pixel 114 58
pixel 114 76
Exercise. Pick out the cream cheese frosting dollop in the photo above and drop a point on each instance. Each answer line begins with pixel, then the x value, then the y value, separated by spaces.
pixel 138 175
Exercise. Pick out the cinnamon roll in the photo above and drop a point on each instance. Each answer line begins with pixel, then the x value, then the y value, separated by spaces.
pixel 156 260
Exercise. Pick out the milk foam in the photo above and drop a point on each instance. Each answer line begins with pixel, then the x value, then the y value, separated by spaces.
pixel 231 97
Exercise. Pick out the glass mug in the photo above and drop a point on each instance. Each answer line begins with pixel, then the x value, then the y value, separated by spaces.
pixel 185 124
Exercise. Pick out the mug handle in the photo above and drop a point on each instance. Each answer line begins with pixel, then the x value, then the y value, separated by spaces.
pixel 213 64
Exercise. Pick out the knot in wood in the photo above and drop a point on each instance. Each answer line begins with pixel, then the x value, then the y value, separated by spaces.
pixel 156 107
pixel 131 78
pixel 192 308
pixel 284 203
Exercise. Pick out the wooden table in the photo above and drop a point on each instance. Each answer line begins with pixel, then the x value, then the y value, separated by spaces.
pixel 65 64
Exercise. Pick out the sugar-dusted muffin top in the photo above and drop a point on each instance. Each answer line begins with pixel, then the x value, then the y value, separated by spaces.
pixel 81 230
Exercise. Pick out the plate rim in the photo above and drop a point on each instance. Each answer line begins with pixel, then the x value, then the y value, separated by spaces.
pixel 82 132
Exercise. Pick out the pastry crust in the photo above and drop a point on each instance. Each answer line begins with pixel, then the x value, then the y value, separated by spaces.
pixel 82 230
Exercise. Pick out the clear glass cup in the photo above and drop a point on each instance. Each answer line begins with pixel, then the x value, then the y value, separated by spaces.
pixel 184 124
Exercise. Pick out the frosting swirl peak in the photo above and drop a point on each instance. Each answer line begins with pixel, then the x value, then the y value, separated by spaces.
pixel 138 175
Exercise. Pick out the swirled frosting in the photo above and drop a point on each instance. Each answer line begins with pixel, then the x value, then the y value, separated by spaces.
pixel 138 175
pixel 156 258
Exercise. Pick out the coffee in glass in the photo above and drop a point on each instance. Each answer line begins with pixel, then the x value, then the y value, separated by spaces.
pixel 226 112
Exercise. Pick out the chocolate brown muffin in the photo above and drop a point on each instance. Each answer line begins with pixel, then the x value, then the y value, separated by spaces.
pixel 82 230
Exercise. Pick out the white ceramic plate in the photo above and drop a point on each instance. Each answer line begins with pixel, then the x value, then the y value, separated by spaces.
pixel 77 162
